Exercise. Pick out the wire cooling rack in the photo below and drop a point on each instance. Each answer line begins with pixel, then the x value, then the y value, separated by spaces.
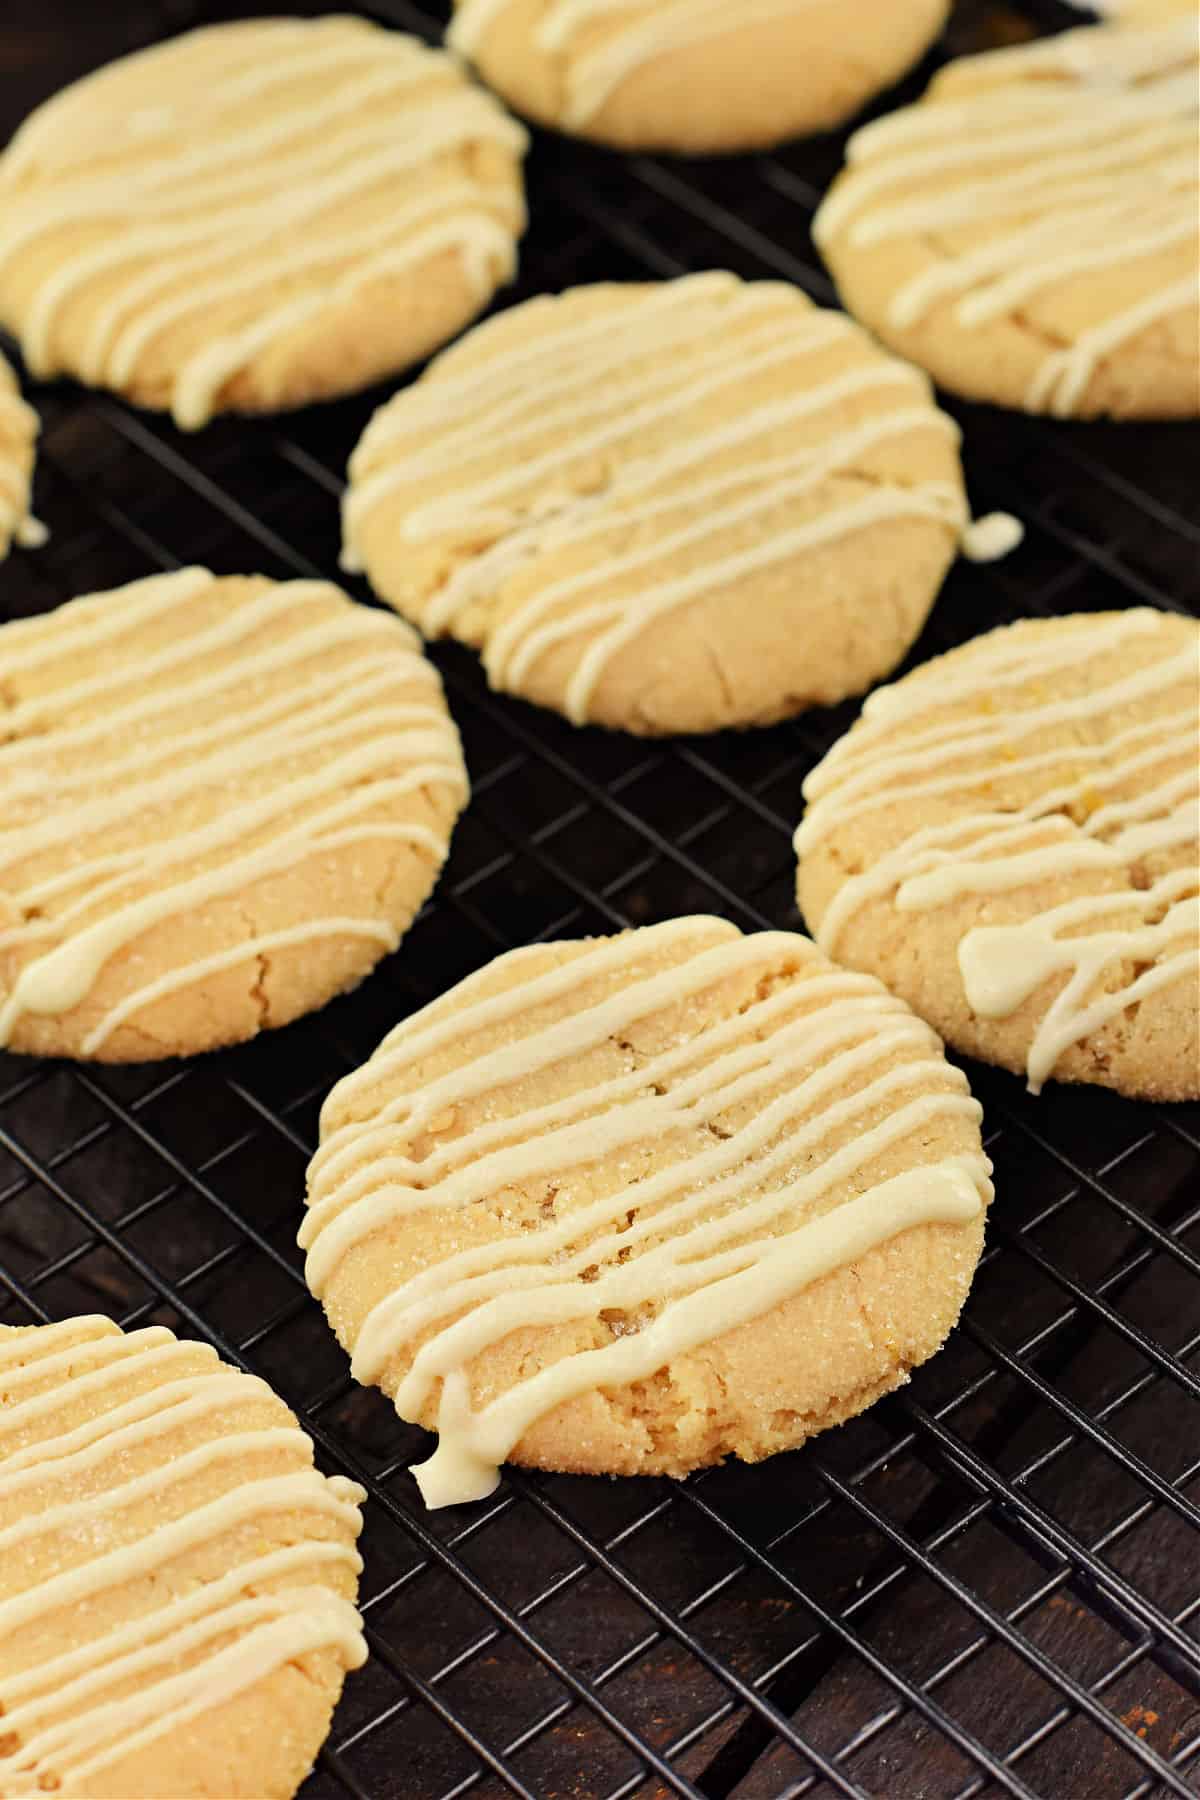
pixel 990 1583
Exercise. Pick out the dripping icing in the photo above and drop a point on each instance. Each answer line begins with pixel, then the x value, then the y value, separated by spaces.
pixel 18 432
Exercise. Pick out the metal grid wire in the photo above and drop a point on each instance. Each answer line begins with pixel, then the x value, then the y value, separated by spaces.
pixel 990 1583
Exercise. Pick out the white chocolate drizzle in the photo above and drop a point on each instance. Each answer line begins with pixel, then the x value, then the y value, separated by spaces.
pixel 628 387
pixel 1078 153
pixel 1133 735
pixel 992 537
pixel 18 432
pixel 773 1114
pixel 208 205
pixel 644 30
pixel 351 732
pixel 118 1688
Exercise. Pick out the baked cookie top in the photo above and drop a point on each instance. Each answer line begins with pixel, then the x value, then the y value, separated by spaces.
pixel 631 1205
pixel 256 215
pixel 223 800
pixel 666 507
pixel 1008 839
pixel 177 1581
pixel 1028 232
pixel 692 75
pixel 18 435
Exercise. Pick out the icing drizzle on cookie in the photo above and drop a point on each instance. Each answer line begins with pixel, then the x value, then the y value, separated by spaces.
pixel 644 29
pixel 295 723
pixel 609 451
pixel 243 188
pixel 1079 158
pixel 1115 784
pixel 18 431
pixel 118 1688
pixel 773 1114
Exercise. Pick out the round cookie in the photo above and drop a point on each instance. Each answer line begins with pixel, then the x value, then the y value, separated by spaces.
pixel 1137 10
pixel 177 1581
pixel 222 802
pixel 1008 839
pixel 18 435
pixel 1028 232
pixel 692 75
pixel 664 507
pixel 256 215
pixel 631 1205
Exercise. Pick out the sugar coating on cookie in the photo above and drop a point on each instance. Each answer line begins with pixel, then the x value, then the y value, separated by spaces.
pixel 668 507
pixel 18 435
pixel 177 1580
pixel 256 215
pixel 692 75
pixel 631 1205
pixel 1008 839
pixel 223 800
pixel 1028 232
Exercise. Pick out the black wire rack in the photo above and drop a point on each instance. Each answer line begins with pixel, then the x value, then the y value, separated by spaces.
pixel 990 1583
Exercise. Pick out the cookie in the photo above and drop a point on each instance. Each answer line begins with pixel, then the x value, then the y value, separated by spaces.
pixel 256 215
pixel 631 1205
pixel 222 803
pixel 1028 231
pixel 692 75
pixel 177 1581
pixel 18 435
pixel 1008 839
pixel 1137 10
pixel 664 507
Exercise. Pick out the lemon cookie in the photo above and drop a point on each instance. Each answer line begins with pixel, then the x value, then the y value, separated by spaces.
pixel 1008 839
pixel 177 1581
pixel 222 803
pixel 256 215
pixel 18 435
pixel 635 1204
pixel 1028 231
pixel 667 507
pixel 692 75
